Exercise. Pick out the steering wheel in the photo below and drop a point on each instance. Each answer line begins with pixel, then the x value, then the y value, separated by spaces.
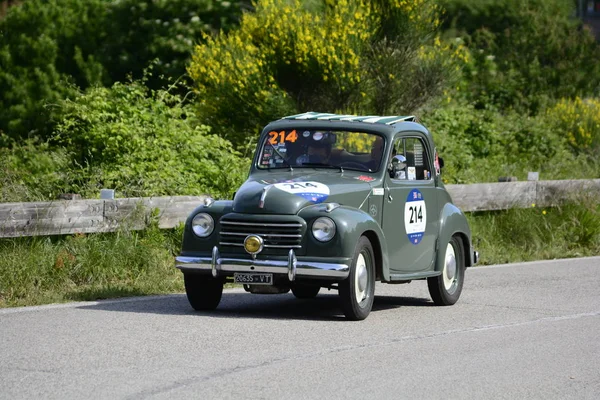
pixel 353 164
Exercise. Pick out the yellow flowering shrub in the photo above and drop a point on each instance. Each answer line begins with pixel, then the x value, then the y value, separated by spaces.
pixel 234 88
pixel 349 56
pixel 355 142
pixel 291 35
pixel 579 119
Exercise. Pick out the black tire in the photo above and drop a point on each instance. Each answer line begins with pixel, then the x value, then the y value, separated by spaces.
pixel 305 291
pixel 203 292
pixel 446 288
pixel 363 263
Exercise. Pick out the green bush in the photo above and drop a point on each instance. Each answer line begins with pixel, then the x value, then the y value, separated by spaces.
pixel 143 142
pixel 481 145
pixel 580 120
pixel 498 15
pixel 32 171
pixel 138 141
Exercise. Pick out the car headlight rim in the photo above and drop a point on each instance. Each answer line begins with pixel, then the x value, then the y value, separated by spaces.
pixel 203 225
pixel 323 229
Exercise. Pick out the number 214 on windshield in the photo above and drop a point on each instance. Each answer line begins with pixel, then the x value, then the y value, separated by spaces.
pixel 281 137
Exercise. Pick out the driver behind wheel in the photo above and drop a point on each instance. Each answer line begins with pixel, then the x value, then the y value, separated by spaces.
pixel 318 151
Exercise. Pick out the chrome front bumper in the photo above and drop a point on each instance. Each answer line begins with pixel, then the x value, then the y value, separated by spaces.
pixel 292 266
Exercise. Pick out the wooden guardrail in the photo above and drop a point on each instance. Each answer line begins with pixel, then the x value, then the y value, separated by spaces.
pixel 505 195
pixel 62 217
pixel 88 216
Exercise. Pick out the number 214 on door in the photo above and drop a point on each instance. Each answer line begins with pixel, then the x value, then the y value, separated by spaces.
pixel 415 216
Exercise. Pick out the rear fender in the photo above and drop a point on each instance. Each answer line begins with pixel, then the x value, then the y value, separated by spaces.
pixel 453 222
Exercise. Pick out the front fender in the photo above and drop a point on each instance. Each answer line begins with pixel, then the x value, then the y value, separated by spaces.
pixel 453 222
pixel 351 224
pixel 192 244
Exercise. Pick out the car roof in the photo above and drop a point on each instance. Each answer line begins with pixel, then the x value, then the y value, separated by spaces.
pixel 383 125
pixel 373 119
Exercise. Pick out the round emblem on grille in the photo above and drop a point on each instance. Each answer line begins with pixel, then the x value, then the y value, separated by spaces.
pixel 253 244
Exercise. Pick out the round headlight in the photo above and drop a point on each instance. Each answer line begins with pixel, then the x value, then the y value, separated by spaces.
pixel 323 229
pixel 203 224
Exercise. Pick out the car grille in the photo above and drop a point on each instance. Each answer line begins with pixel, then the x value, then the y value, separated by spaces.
pixel 276 235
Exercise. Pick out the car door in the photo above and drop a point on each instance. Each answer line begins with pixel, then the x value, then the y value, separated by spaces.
pixel 410 220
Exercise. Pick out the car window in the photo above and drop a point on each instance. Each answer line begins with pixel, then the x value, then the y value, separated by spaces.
pixel 414 161
pixel 316 148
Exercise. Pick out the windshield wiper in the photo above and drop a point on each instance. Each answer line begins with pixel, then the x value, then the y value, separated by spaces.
pixel 323 165
pixel 317 164
pixel 283 158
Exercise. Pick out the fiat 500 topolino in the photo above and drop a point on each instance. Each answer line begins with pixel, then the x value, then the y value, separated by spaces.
pixel 332 201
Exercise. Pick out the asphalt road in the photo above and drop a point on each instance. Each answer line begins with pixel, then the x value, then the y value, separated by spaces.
pixel 519 331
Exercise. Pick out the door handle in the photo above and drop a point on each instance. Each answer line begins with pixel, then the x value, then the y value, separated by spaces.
pixel 390 198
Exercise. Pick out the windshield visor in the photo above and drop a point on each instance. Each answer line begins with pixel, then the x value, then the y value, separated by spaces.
pixel 302 148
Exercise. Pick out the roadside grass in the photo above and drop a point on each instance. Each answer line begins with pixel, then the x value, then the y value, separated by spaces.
pixel 569 230
pixel 43 270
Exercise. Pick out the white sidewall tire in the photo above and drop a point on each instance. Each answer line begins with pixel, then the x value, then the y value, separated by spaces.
pixel 357 292
pixel 446 288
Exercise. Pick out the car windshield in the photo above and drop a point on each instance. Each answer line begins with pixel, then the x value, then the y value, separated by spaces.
pixel 315 148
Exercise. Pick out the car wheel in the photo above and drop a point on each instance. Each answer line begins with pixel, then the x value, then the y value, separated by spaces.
pixel 357 292
pixel 203 292
pixel 302 291
pixel 445 289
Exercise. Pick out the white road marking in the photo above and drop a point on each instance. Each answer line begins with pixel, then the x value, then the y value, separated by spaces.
pixel 533 263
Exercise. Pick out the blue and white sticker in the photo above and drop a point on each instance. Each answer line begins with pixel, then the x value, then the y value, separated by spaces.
pixel 415 216
pixel 311 191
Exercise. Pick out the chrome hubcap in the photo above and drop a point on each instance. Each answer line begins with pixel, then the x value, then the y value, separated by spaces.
pixel 449 273
pixel 361 279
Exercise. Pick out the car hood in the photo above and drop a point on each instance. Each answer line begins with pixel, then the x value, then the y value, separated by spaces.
pixel 288 193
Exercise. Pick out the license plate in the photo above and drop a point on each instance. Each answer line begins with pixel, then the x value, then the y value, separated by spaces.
pixel 253 279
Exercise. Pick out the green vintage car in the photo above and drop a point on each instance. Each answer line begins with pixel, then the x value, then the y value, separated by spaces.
pixel 333 201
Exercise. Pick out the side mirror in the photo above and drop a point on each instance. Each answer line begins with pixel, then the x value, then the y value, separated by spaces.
pixel 397 167
pixel 438 163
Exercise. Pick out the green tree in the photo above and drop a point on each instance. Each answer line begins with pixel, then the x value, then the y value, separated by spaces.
pixel 140 31
pixel 525 53
pixel 48 45
pixel 43 45
pixel 33 171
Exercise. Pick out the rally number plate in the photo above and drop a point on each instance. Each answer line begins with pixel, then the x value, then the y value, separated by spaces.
pixel 253 279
